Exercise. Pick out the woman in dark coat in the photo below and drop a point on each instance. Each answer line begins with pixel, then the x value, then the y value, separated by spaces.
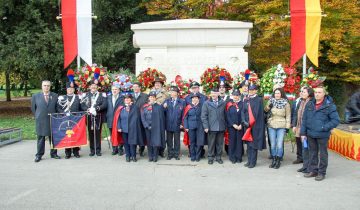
pixel 153 120
pixel 233 120
pixel 194 131
pixel 129 126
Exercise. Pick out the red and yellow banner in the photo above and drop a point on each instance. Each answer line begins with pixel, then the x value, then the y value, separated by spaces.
pixel 345 143
pixel 305 29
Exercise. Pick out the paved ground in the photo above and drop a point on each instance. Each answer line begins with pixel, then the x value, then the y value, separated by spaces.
pixel 109 182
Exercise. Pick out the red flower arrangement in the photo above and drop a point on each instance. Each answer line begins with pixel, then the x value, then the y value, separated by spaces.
pixel 147 77
pixel 211 78
pixel 182 84
pixel 292 81
pixel 313 79
pixel 86 74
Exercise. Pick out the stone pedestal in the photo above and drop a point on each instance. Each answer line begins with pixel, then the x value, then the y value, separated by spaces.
pixel 187 47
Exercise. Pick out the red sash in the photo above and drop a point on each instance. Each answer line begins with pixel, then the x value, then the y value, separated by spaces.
pixel 248 136
pixel 116 137
pixel 186 139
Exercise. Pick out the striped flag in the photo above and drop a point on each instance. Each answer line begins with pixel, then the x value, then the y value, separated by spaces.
pixel 76 26
pixel 305 29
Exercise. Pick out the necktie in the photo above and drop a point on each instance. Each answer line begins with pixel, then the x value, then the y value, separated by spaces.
pixel 216 103
pixel 173 103
pixel 46 98
pixel 136 95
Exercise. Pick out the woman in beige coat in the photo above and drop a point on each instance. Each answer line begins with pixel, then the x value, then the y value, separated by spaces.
pixel 278 122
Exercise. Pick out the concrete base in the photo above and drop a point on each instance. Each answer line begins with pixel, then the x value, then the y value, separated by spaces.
pixel 108 182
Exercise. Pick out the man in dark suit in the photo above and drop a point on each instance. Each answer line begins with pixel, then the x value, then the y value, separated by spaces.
pixel 43 104
pixel 69 103
pixel 113 102
pixel 139 100
pixel 213 120
pixel 95 103
pixel 174 108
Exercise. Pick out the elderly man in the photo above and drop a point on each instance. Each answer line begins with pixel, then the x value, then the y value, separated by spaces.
pixel 319 118
pixel 213 120
pixel 113 102
pixel 42 104
pixel 161 96
pixel 95 103
pixel 139 100
pixel 69 103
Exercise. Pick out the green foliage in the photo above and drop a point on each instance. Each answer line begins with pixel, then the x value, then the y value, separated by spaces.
pixel 26 123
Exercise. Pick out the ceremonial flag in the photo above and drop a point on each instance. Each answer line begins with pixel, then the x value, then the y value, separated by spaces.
pixel 305 29
pixel 76 26
pixel 68 130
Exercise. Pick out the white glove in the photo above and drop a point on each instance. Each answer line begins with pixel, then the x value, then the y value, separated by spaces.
pixel 92 111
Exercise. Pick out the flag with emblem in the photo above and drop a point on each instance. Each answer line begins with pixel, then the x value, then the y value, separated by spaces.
pixel 68 130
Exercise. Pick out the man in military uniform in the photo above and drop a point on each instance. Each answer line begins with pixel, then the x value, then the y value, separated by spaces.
pixel 113 102
pixel 69 103
pixel 95 103
pixel 42 104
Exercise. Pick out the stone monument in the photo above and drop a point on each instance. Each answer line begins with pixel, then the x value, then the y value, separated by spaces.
pixel 188 47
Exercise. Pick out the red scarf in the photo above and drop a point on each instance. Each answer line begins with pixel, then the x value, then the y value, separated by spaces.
pixel 116 137
pixel 248 136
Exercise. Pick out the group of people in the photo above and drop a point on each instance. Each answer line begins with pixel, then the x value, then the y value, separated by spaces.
pixel 156 120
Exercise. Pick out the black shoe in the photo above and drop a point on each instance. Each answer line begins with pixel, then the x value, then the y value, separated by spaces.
pixel 311 174
pixel 197 160
pixel 239 161
pixel 37 159
pixel 210 162
pixel 77 155
pixel 150 160
pixel 297 161
pixel 168 157
pixel 127 159
pixel 192 160
pixel 67 156
pixel 141 152
pixel 219 161
pixel 114 152
pixel 233 162
pixel 161 154
pixel 278 163
pixel 247 164
pixel 98 154
pixel 92 154
pixel 301 169
pixel 273 163
pixel 121 153
pixel 320 177
pixel 177 158
pixel 134 159
pixel 155 160
pixel 251 166
pixel 56 157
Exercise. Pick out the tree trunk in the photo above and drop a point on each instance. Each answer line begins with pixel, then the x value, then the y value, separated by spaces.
pixel 26 84
pixel 7 79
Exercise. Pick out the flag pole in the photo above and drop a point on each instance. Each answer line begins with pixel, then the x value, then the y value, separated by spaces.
pixel 78 62
pixel 304 65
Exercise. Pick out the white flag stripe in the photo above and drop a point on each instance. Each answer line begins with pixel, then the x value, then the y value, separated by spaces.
pixel 84 30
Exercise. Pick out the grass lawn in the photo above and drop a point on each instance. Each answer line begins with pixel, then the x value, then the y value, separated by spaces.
pixel 26 123
pixel 17 93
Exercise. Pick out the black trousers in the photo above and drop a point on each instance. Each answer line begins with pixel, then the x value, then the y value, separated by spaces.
pixel 41 147
pixel 153 151
pixel 318 162
pixel 74 150
pixel 195 149
pixel 299 148
pixel 173 143
pixel 215 144
pixel 235 145
pixel 252 155
pixel 130 149
pixel 97 142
